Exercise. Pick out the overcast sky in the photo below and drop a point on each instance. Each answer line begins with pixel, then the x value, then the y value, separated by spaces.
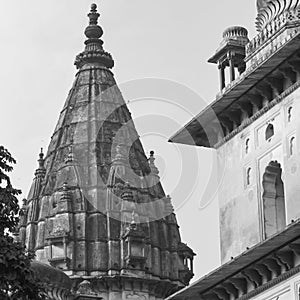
pixel 169 40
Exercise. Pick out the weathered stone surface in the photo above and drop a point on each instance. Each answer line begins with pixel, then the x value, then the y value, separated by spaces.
pixel 90 189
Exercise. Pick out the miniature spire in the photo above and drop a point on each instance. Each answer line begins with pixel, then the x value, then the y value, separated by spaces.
pixel 41 159
pixel 41 171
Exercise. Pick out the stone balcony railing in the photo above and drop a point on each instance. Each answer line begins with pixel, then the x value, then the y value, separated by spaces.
pixel 287 18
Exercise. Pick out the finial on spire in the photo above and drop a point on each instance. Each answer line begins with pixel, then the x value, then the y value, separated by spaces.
pixel 94 52
pixel 151 159
pixel 41 169
pixel 93 31
pixel 41 159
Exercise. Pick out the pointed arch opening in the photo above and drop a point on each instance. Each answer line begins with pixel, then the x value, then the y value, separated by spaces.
pixel 273 200
pixel 269 131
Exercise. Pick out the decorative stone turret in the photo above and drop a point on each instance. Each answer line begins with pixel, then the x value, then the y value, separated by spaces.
pixel 79 214
pixel 231 53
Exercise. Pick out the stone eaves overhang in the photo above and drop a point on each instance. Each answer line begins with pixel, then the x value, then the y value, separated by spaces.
pixel 197 131
pixel 226 46
pixel 259 255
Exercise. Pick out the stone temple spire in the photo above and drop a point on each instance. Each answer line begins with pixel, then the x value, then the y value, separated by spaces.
pixel 94 175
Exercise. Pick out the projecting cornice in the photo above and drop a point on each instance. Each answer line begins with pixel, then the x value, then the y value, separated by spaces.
pixel 253 272
pixel 273 68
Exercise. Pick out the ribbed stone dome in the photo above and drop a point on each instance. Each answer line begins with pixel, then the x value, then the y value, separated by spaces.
pixel 267 10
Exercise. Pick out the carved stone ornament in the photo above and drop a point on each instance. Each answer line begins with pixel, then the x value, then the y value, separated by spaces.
pixel 84 288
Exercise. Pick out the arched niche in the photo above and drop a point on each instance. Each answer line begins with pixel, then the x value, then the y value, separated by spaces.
pixel 273 199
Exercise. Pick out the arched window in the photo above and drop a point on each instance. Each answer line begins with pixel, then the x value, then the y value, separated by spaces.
pixel 249 176
pixel 292 145
pixel 273 199
pixel 269 131
pixel 290 114
pixel 247 146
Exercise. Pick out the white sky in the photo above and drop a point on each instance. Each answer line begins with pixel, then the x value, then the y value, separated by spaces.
pixel 169 39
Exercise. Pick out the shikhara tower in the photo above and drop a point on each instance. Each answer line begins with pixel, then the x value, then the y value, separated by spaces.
pixel 96 215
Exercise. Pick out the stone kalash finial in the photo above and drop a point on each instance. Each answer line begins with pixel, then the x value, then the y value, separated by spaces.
pixel 93 50
pixel 93 31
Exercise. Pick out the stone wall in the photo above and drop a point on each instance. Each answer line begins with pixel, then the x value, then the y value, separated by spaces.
pixel 242 163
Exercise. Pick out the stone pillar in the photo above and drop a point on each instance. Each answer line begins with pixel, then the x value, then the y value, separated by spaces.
pixel 222 76
pixel 231 66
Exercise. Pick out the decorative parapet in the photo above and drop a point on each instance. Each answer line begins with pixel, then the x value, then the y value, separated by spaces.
pixel 268 10
pixel 287 19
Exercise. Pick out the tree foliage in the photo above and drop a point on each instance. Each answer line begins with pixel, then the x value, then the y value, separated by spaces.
pixel 17 279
